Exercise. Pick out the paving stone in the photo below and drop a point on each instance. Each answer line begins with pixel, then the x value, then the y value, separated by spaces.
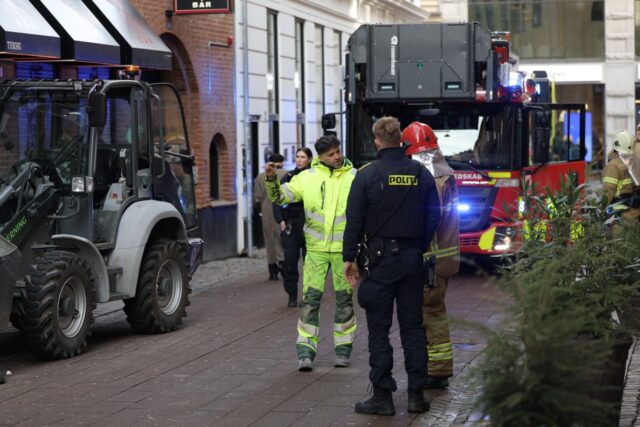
pixel 234 363
pixel 278 419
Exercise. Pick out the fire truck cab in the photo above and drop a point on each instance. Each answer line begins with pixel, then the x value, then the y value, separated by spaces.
pixel 496 127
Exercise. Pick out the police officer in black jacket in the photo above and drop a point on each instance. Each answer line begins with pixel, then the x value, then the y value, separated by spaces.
pixel 394 204
pixel 291 220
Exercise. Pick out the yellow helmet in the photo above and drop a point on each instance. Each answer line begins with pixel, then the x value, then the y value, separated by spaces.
pixel 623 143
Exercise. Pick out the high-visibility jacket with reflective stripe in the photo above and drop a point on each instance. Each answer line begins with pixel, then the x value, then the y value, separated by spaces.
pixel 616 179
pixel 324 192
pixel 445 244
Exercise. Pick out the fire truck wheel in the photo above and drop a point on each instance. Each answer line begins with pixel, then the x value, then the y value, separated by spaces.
pixel 58 306
pixel 163 287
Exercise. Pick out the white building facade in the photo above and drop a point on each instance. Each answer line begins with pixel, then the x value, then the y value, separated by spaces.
pixel 295 62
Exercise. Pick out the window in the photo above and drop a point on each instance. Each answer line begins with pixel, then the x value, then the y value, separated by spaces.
pixel 34 71
pixel 637 27
pixel 115 156
pixel 337 81
pixel 92 73
pixel 272 61
pixel 319 81
pixel 176 184
pixel 546 29
pixel 299 83
pixel 273 80
pixel 47 127
pixel 217 145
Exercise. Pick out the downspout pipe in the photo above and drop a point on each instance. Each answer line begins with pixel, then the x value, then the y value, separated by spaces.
pixel 247 130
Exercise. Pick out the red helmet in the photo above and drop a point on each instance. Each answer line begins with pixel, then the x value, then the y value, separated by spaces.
pixel 419 137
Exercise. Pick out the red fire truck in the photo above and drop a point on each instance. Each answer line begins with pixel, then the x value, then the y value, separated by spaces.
pixel 495 127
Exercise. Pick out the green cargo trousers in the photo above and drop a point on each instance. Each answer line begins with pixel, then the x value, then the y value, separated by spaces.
pixel 316 267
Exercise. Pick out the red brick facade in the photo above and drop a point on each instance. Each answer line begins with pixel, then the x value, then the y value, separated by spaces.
pixel 208 113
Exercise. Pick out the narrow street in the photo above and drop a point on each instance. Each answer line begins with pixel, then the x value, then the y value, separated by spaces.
pixel 233 363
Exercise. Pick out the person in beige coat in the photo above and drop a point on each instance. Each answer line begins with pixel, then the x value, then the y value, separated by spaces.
pixel 270 229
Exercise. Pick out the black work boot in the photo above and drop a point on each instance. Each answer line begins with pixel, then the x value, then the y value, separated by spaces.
pixel 433 382
pixel 293 301
pixel 273 271
pixel 417 404
pixel 381 403
pixel 281 268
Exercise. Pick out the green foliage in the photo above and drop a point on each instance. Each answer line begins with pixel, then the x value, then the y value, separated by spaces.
pixel 569 278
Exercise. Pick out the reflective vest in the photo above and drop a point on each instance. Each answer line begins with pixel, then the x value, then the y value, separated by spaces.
pixel 324 192
pixel 445 244
pixel 616 179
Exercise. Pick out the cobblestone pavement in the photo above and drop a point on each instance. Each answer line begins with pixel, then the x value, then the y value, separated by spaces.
pixel 630 411
pixel 233 364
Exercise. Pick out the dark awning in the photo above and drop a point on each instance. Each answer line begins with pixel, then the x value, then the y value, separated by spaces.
pixel 139 44
pixel 84 39
pixel 24 33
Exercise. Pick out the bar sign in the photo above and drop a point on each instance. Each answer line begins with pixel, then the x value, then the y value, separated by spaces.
pixel 184 7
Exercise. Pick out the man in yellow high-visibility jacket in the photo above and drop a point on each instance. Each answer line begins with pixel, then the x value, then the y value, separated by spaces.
pixel 324 189
pixel 423 146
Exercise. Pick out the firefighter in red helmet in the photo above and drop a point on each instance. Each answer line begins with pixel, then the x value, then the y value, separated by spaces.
pixel 443 253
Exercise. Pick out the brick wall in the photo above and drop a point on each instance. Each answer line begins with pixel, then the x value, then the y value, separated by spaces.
pixel 205 79
pixel 8 70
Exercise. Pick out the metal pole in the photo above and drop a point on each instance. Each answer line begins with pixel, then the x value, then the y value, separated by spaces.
pixel 247 130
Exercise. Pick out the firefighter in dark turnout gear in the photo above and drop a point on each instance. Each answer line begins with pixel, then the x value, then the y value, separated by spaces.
pixel 291 220
pixel 394 204
pixel 444 250
pixel 618 179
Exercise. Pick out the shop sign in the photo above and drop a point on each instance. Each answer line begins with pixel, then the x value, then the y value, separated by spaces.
pixel 184 7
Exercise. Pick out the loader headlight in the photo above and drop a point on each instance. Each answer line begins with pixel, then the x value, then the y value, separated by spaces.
pixel 82 184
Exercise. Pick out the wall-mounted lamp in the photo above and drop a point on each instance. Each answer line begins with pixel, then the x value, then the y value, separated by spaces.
pixel 169 14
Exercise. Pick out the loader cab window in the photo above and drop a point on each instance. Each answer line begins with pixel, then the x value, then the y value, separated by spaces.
pixel 119 142
pixel 172 158
pixel 121 146
pixel 47 127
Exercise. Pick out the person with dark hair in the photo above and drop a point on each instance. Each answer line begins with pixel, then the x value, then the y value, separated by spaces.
pixel 393 211
pixel 290 217
pixel 323 189
pixel 270 230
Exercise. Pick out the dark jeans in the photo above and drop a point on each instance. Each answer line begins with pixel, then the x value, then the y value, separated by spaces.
pixel 292 243
pixel 398 277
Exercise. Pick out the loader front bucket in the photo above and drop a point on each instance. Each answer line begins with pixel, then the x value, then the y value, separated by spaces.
pixel 9 265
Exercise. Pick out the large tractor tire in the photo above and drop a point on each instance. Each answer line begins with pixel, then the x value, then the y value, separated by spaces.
pixel 162 295
pixel 58 306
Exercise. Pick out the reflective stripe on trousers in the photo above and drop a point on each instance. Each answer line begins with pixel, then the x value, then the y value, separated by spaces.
pixel 436 324
pixel 344 333
pixel 316 266
pixel 442 351
pixel 307 335
pixel 443 253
